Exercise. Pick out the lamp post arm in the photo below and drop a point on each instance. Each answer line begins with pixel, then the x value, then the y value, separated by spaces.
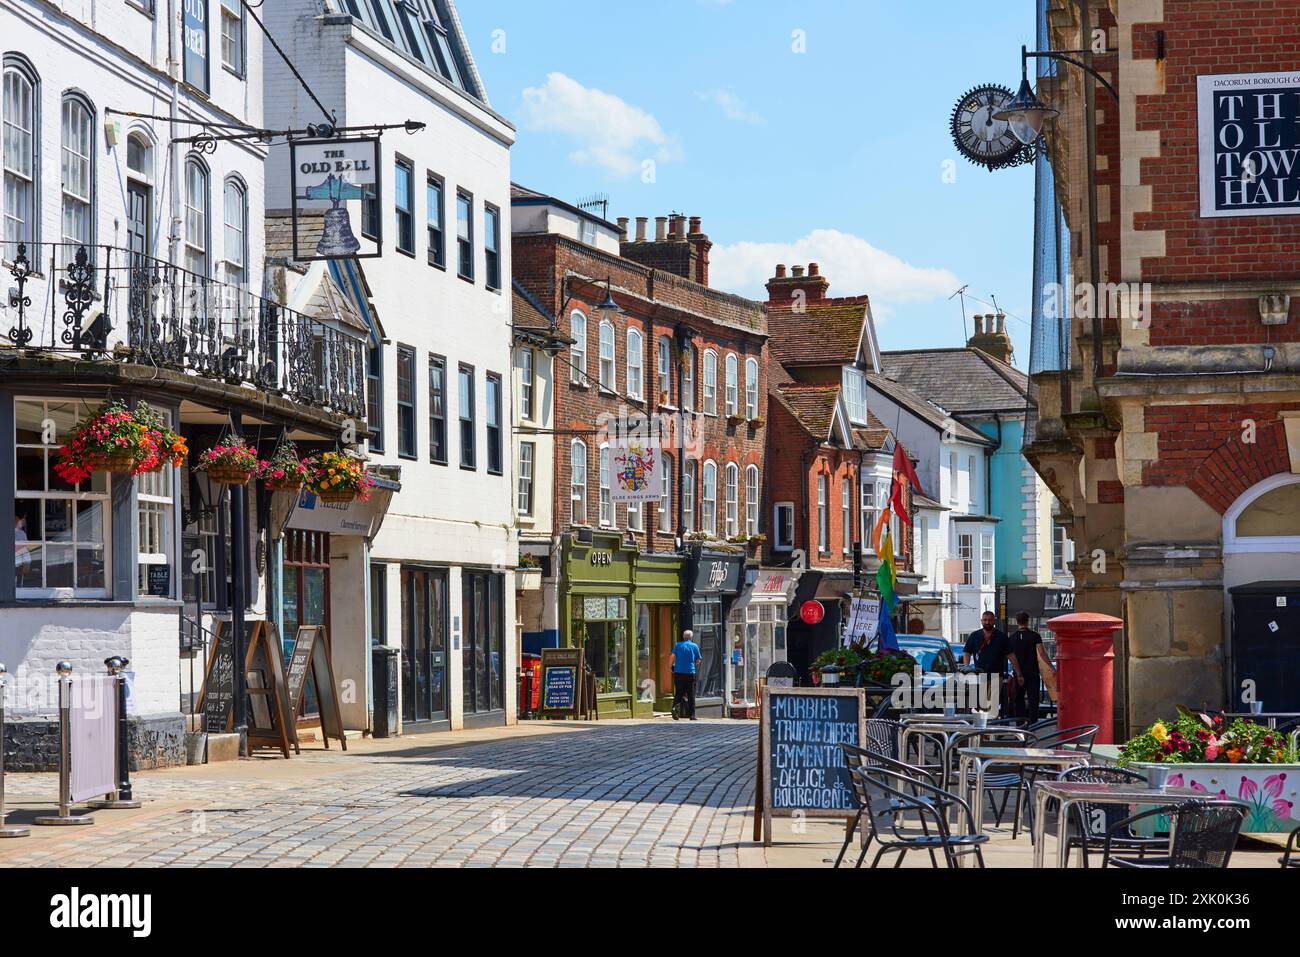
pixel 1025 54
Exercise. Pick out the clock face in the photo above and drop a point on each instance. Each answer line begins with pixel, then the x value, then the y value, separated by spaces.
pixel 982 139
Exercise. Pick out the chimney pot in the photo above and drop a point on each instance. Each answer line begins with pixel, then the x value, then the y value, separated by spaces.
pixel 679 228
pixel 1002 322
pixel 622 229
pixel 814 269
pixel 780 271
pixel 640 228
pixel 696 228
pixel 979 324
pixel 798 272
pixel 661 228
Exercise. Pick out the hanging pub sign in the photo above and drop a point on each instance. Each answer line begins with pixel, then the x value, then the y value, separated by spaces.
pixel 1249 143
pixel 336 192
pixel 638 472
pixel 194 21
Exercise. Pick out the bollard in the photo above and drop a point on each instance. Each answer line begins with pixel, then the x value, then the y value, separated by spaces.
pixel 6 830
pixel 120 799
pixel 64 817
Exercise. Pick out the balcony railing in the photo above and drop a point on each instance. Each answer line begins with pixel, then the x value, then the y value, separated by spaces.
pixel 96 301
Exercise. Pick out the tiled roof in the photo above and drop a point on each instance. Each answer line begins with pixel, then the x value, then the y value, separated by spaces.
pixel 525 311
pixel 812 405
pixel 823 333
pixel 941 419
pixel 874 437
pixel 961 380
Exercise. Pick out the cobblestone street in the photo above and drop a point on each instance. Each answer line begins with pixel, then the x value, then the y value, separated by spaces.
pixel 630 794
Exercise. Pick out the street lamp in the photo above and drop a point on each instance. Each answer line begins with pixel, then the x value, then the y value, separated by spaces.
pixel 1026 113
pixel 609 307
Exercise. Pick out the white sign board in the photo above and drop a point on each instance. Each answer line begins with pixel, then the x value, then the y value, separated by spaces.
pixel 864 620
pixel 636 472
pixel 1248 136
pixel 336 188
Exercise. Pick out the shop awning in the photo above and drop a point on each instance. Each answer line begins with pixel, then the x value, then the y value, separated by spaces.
pixel 771 586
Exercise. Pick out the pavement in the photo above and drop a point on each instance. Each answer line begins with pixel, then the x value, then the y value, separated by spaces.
pixel 649 793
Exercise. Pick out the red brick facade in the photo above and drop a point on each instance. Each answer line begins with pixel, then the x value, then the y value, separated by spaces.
pixel 657 305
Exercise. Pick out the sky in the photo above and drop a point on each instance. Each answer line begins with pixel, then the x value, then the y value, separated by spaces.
pixel 810 131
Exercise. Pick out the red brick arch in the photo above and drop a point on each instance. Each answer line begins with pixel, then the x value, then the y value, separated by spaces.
pixel 1235 466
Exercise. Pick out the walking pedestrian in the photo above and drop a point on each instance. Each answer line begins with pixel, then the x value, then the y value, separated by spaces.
pixel 685 657
pixel 989 649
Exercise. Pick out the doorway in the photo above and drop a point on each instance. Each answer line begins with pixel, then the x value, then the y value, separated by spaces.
pixel 306 597
pixel 424 645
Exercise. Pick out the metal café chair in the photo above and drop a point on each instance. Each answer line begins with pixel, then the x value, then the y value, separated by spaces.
pixel 1204 835
pixel 882 735
pixel 1292 848
pixel 1093 821
pixel 856 758
pixel 1004 778
pixel 890 795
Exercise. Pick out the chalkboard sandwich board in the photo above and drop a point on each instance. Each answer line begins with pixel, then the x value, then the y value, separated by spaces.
pixel 562 684
pixel 311 653
pixel 801 764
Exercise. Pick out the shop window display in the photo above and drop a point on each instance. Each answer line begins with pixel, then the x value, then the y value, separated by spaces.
pixel 600 624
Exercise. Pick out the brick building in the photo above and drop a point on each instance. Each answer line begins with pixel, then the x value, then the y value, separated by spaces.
pixel 687 361
pixel 829 458
pixel 1169 424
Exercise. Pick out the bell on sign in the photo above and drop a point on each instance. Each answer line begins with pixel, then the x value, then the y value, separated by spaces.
pixel 812 613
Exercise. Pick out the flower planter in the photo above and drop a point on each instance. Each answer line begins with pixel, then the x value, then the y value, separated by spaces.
pixel 283 486
pixel 228 475
pixel 119 463
pixel 1272 791
pixel 336 497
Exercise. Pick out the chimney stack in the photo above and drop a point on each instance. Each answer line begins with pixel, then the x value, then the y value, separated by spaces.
pixel 781 289
pixel 991 337
pixel 680 246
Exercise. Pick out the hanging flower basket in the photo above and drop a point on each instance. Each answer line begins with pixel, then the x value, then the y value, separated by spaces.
pixel 338 477
pixel 231 462
pixel 285 472
pixel 119 440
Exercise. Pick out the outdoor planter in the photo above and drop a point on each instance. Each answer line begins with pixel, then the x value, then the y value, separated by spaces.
pixel 528 579
pixel 230 463
pixel 285 472
pixel 119 463
pixel 338 478
pixel 121 441
pixel 1272 791
pixel 229 474
pixel 283 485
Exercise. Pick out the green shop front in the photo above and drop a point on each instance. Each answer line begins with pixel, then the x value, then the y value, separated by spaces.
pixel 622 608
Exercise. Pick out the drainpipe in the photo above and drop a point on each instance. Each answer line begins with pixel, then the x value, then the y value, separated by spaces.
pixel 174 201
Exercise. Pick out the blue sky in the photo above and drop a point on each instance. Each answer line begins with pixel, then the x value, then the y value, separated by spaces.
pixel 834 155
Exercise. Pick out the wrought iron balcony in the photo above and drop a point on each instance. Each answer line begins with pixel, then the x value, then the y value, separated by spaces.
pixel 105 302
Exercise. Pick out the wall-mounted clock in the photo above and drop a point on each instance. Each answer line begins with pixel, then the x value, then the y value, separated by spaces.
pixel 982 139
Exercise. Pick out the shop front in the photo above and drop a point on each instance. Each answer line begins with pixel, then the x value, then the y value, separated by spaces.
pixel 714 581
pixel 756 632
pixel 622 608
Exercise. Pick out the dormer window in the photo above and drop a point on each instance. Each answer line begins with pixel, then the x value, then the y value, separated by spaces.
pixel 853 384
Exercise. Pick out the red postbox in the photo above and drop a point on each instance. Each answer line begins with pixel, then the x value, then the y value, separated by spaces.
pixel 1085 667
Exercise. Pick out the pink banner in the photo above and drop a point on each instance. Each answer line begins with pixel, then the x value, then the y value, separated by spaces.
pixel 93 732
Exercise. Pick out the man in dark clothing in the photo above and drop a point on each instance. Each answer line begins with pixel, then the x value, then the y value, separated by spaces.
pixel 1024 645
pixel 685 658
pixel 989 648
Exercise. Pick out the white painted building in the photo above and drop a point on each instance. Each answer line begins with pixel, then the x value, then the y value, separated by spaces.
pixel 955 545
pixel 440 584
pixel 133 255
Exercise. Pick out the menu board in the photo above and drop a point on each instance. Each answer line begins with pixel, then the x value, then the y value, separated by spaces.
pixel 562 674
pixel 219 683
pixel 801 762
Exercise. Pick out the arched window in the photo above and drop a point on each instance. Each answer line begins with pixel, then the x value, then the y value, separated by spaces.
pixel 689 472
pixel 709 500
pixel 1265 518
pixel 608 375
pixel 606 493
pixel 196 216
pixel 578 481
pixel 578 351
pixel 732 385
pixel 664 370
pixel 21 171
pixel 751 500
pixel 751 389
pixel 139 157
pixel 78 174
pixel 710 382
pixel 733 499
pixel 665 494
pixel 234 248
pixel 635 365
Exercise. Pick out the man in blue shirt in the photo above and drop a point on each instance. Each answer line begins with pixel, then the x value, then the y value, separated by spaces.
pixel 684 658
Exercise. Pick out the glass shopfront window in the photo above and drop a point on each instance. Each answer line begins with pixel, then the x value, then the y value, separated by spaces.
pixel 707 615
pixel 600 623
pixel 644 659
pixel 483 650
pixel 60 530
pixel 757 636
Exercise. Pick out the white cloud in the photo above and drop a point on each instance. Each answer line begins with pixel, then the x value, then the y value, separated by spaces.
pixel 732 106
pixel 609 132
pixel 852 265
